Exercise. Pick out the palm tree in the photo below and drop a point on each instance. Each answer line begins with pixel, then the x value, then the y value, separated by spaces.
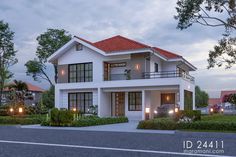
pixel 18 91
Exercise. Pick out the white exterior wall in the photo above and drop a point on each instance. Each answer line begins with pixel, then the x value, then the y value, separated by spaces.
pixel 153 60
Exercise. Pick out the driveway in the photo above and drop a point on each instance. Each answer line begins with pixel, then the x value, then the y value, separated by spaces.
pixel 131 126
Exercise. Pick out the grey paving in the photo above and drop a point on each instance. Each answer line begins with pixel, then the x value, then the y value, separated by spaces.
pixel 120 127
pixel 125 140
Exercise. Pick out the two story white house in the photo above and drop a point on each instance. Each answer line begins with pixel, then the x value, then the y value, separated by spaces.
pixel 122 77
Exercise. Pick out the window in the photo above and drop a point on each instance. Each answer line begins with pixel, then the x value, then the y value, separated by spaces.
pixel 78 47
pixel 82 101
pixel 156 67
pixel 135 101
pixel 82 72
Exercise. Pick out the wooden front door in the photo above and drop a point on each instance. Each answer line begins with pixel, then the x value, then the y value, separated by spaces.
pixel 118 104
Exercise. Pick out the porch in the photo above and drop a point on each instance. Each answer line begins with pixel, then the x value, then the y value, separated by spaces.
pixel 135 103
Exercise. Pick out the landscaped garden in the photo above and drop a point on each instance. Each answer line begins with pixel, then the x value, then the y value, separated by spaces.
pixel 193 121
pixel 76 119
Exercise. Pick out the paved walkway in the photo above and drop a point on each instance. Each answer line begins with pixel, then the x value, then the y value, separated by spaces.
pixel 120 127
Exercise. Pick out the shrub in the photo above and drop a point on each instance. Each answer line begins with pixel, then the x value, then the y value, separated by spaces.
pixel 61 117
pixel 90 121
pixel 193 114
pixel 158 124
pixel 24 120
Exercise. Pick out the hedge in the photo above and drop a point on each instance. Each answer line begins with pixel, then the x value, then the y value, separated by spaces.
pixel 170 124
pixel 23 120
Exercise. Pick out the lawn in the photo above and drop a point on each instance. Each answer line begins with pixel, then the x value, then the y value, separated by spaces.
pixel 219 118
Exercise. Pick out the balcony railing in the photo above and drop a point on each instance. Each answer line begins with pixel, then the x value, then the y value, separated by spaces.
pixel 150 75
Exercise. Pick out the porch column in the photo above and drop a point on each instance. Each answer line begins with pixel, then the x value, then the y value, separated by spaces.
pixel 99 102
pixel 181 97
pixel 57 97
pixel 143 104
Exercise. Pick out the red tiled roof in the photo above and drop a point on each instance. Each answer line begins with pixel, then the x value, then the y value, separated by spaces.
pixel 30 88
pixel 213 101
pixel 167 54
pixel 120 43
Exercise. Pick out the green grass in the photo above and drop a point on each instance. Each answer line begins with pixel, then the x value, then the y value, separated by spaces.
pixel 219 118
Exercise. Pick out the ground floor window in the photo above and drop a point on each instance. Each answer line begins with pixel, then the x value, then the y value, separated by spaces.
pixel 188 100
pixel 82 101
pixel 135 101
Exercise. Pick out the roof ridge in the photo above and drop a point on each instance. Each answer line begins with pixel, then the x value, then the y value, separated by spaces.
pixel 83 39
pixel 131 40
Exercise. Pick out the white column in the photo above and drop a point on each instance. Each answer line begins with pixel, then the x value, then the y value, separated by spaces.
pixel 57 97
pixel 193 97
pixel 99 102
pixel 143 104
pixel 181 97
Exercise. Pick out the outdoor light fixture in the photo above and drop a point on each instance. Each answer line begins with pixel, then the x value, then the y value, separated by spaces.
pixel 176 109
pixel 171 112
pixel 155 111
pixel 20 109
pixel 11 109
pixel 167 98
pixel 147 110
pixel 74 109
pixel 137 66
pixel 62 72
pixel 211 110
pixel 222 110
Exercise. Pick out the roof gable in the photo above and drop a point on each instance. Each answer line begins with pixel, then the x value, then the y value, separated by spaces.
pixel 119 43
pixel 167 54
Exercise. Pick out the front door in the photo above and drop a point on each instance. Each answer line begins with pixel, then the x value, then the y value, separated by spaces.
pixel 118 104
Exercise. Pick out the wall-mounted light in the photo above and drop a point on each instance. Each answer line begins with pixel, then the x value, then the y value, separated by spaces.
pixel 62 72
pixel 147 110
pixel 176 109
pixel 137 67
pixel 74 109
pixel 167 97
pixel 189 87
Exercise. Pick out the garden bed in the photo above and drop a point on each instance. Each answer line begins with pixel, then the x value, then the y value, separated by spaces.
pixel 22 120
pixel 207 123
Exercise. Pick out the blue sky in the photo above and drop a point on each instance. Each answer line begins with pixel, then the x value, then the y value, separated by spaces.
pixel 147 21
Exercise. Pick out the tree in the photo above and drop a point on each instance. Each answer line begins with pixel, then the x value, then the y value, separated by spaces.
pixel 48 43
pixel 7 55
pixel 18 93
pixel 231 98
pixel 201 97
pixel 48 98
pixel 212 13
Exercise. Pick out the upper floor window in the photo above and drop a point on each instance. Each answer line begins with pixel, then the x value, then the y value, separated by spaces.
pixel 156 67
pixel 78 47
pixel 82 72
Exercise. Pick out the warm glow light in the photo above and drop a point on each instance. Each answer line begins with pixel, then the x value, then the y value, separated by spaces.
pixel 167 98
pixel 137 66
pixel 222 110
pixel 62 72
pixel 155 111
pixel 11 110
pixel 176 109
pixel 211 110
pixel 20 110
pixel 74 109
pixel 171 111
pixel 147 110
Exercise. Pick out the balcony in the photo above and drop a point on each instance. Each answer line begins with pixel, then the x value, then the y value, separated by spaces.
pixel 150 75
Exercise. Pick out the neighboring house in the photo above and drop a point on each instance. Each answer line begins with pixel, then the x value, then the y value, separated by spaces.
pixel 34 91
pixel 122 77
pixel 220 101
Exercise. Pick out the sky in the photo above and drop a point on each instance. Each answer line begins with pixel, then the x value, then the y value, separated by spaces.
pixel 147 21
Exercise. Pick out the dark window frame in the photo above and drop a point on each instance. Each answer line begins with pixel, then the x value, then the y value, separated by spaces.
pixel 156 67
pixel 135 102
pixel 83 72
pixel 78 47
pixel 81 104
